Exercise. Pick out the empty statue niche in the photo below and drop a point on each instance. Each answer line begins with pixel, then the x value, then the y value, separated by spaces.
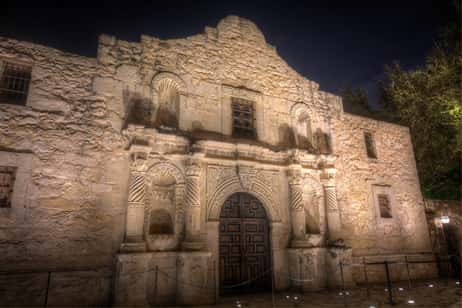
pixel 303 133
pixel 162 205
pixel 160 222
pixel 168 102
pixel 301 127
pixel 311 208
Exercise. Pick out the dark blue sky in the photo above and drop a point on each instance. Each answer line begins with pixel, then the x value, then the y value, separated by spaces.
pixel 334 43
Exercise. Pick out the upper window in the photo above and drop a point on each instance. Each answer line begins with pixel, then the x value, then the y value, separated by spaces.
pixel 370 145
pixel 7 177
pixel 384 206
pixel 14 83
pixel 243 118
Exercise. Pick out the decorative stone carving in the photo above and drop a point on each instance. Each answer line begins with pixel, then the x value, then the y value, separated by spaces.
pixel 192 185
pixel 331 198
pixel 135 213
pixel 297 212
pixel 301 126
pixel 137 189
pixel 193 209
pixel 224 181
pixel 333 214
pixel 167 184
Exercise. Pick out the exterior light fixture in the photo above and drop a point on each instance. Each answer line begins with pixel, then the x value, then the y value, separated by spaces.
pixel 411 301
pixel 430 286
pixel 401 289
pixel 445 219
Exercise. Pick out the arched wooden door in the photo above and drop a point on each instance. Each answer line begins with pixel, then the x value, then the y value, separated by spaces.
pixel 245 253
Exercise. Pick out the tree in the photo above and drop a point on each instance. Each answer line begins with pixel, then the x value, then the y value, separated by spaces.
pixel 356 101
pixel 428 100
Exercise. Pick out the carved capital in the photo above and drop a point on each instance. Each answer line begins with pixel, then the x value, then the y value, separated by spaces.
pixel 294 177
pixel 193 169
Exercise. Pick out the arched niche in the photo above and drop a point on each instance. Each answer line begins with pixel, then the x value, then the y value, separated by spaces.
pixel 168 90
pixel 301 124
pixel 314 210
pixel 165 202
pixel 160 222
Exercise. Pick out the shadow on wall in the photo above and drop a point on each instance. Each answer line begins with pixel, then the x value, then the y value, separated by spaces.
pixel 320 143
pixel 141 111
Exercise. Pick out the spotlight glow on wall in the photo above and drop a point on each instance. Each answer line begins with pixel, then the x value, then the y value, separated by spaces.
pixel 445 219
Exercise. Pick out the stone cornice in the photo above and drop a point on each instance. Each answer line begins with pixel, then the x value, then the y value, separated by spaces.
pixel 149 140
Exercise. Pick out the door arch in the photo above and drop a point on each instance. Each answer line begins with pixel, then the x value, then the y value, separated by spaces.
pixel 244 245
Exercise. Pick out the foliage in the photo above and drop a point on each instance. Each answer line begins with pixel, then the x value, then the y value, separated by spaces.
pixel 428 100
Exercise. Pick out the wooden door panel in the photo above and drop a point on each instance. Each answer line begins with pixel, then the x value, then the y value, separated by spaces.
pixel 244 244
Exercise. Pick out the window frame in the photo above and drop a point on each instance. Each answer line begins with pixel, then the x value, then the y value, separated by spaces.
pixel 371 151
pixel 381 196
pixel 244 132
pixel 25 92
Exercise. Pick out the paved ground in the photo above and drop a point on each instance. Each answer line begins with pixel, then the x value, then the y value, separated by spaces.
pixel 436 293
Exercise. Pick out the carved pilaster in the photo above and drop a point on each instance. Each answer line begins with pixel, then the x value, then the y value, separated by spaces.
pixel 135 214
pixel 297 212
pixel 193 207
pixel 333 215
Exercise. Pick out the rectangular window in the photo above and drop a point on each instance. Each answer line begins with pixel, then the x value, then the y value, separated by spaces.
pixel 243 118
pixel 370 145
pixel 7 177
pixel 384 206
pixel 14 83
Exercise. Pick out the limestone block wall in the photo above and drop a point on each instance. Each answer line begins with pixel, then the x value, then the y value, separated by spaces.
pixel 72 212
pixel 360 178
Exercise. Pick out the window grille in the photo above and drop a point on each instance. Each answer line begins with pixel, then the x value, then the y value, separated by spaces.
pixel 14 83
pixel 7 177
pixel 370 145
pixel 384 206
pixel 243 118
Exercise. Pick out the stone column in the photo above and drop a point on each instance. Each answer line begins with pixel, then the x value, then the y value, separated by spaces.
pixel 297 211
pixel 134 229
pixel 193 208
pixel 333 214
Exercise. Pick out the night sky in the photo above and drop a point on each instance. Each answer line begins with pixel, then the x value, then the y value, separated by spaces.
pixel 334 43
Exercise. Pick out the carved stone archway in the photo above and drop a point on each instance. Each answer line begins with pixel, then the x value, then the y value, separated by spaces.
pixel 235 185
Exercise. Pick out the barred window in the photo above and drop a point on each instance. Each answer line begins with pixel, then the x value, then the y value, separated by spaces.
pixel 370 145
pixel 14 83
pixel 384 206
pixel 243 118
pixel 7 177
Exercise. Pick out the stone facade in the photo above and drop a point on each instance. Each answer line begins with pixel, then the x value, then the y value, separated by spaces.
pixel 125 161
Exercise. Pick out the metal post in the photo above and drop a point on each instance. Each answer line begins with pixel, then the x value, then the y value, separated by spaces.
pixel 366 278
pixel 215 289
pixel 300 274
pixel 343 284
pixel 155 284
pixel 47 289
pixel 272 288
pixel 390 294
pixel 408 272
